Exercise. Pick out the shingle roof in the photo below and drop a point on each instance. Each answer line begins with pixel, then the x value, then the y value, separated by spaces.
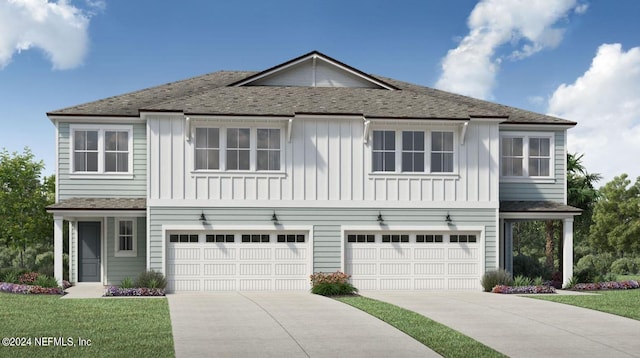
pixel 536 206
pixel 100 204
pixel 211 94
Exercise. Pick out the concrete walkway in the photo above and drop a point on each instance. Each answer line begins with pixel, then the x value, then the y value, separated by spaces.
pixel 279 324
pixel 84 290
pixel 524 327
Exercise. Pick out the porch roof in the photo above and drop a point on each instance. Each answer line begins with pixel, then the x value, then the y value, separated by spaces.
pixel 99 204
pixel 538 207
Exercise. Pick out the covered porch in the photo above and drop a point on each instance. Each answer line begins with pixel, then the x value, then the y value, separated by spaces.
pixel 515 211
pixel 105 236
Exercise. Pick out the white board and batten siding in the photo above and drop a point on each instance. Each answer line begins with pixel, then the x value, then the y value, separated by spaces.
pixel 327 162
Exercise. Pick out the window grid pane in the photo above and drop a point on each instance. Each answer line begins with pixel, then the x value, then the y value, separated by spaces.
pixel 268 149
pixel 442 152
pixel 539 157
pixel 384 151
pixel 85 156
pixel 238 148
pixel 512 157
pixel 412 151
pixel 207 148
pixel 116 152
pixel 125 235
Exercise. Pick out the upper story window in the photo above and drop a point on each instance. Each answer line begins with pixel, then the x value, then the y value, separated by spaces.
pixel 101 150
pixel 238 149
pixel 411 151
pixel 526 155
pixel 384 151
pixel 208 148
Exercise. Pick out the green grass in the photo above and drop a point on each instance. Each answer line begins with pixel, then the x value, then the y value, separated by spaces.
pixel 136 327
pixel 438 337
pixel 619 302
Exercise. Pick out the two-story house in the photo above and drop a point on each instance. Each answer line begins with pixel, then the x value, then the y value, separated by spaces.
pixel 240 180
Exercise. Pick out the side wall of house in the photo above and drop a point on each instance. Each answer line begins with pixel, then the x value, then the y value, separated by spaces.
pixel 70 186
pixel 327 226
pixel 120 267
pixel 553 190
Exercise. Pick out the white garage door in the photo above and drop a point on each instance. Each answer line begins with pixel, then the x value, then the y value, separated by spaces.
pixel 413 261
pixel 237 261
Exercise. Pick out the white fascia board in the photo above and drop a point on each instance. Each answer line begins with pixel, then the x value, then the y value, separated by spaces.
pixel 97 119
pixel 488 119
pixel 303 116
pixel 147 114
pixel 535 127
pixel 417 121
pixel 538 216
pixel 241 118
pixel 333 204
pixel 67 214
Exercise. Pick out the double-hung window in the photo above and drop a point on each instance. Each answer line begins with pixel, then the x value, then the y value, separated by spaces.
pixel 416 151
pixel 238 149
pixel 413 151
pixel 526 155
pixel 441 152
pixel 101 150
pixel 384 151
pixel 125 238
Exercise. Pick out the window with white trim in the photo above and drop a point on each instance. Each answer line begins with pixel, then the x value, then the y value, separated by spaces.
pixel 384 151
pixel 268 149
pixel 125 238
pixel 101 150
pixel 409 148
pixel 238 149
pixel 208 148
pixel 413 151
pixel 442 152
pixel 526 155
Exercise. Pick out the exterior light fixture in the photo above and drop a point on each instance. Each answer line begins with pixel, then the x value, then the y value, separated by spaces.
pixel 380 219
pixel 203 218
pixel 448 219
pixel 274 218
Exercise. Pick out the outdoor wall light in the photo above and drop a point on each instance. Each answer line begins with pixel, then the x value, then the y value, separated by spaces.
pixel 274 218
pixel 448 219
pixel 203 218
pixel 380 219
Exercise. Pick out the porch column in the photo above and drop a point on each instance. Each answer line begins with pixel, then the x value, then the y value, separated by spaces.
pixel 567 251
pixel 57 248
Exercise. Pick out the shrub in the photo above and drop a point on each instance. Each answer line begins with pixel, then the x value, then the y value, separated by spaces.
pixel 127 282
pixel 556 279
pixel 573 281
pixel 591 267
pixel 494 278
pixel 11 277
pixel 46 281
pixel 538 281
pixel 28 278
pixel 624 266
pixel 151 279
pixel 521 281
pixel 523 289
pixel 331 284
pixel 528 266
pixel 115 291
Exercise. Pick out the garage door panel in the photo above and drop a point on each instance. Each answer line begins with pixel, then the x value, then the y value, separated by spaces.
pixel 365 284
pixel 395 284
pixel 219 285
pixel 428 253
pixel 220 269
pixel 290 254
pixel 185 253
pixel 185 269
pixel 362 253
pixel 290 269
pixel 363 269
pixel 255 253
pixel 255 269
pixel 429 284
pixel 395 269
pixel 429 268
pixel 462 268
pixel 462 253
pixel 255 285
pixel 456 283
pixel 395 254
pixel 219 254
pixel 185 285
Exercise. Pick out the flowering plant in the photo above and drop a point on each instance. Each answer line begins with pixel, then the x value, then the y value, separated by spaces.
pixel 335 277
pixel 28 278
pixel 113 291
pixel 29 289
pixel 331 284
pixel 612 285
pixel 523 289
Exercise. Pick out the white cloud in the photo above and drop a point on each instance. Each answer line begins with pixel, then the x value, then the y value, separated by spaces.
pixel 605 101
pixel 526 25
pixel 59 29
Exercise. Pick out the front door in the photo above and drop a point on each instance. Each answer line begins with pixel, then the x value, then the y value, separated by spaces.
pixel 89 252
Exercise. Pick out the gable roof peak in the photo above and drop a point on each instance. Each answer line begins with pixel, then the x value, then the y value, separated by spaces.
pixel 314 69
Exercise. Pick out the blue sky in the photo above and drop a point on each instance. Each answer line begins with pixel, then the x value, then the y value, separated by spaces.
pixel 576 59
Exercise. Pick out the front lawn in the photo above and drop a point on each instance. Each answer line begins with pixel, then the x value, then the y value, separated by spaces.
pixel 619 302
pixel 440 338
pixel 136 327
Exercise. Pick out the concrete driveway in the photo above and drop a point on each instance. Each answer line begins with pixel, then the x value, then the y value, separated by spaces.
pixel 278 324
pixel 524 327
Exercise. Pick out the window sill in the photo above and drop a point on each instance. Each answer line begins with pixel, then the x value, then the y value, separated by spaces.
pixel 100 176
pixel 414 175
pixel 207 173
pixel 530 180
pixel 125 254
